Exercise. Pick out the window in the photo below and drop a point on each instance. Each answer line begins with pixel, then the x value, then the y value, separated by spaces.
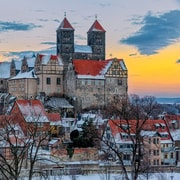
pixel 38 81
pixel 58 81
pixel 119 82
pixel 156 152
pixel 48 80
pixel 96 82
pixel 1 82
pixel 83 82
pixel 89 82
pixel 126 156
pixel 172 155
pixel 156 141
pixel 156 162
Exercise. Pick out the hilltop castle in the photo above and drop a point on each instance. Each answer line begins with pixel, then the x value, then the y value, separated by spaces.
pixel 79 72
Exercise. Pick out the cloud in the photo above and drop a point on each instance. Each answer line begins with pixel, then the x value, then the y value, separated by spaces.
pixel 49 43
pixel 104 4
pixel 56 20
pixel 17 55
pixel 43 20
pixel 16 26
pixel 133 54
pixel 20 54
pixel 156 32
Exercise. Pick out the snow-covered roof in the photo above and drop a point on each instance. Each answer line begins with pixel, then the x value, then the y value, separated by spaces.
pixel 96 26
pixel 53 141
pixel 57 103
pixel 31 61
pixel 32 110
pixel 148 133
pixel 25 75
pixel 45 58
pixel 168 141
pixel 90 77
pixel 5 70
pixel 82 49
pixel 18 64
pixel 175 134
pixel 65 24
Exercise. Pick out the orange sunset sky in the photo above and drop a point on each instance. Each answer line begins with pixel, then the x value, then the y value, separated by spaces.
pixel 146 34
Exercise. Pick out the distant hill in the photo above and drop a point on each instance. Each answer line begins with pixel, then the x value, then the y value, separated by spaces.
pixel 168 100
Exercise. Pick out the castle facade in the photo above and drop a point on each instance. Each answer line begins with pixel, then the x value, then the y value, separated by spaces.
pixel 80 72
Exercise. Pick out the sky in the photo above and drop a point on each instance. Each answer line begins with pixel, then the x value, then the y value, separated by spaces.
pixel 146 34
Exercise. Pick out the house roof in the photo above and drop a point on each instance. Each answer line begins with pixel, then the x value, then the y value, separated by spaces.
pixel 57 103
pixel 65 25
pixel 25 75
pixel 54 117
pixel 18 64
pixel 44 58
pixel 89 67
pixel 82 48
pixel 31 61
pixel 149 128
pixel 96 26
pixel 94 69
pixel 5 70
pixel 32 110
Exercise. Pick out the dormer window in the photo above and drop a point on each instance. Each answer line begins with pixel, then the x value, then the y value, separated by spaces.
pixel 157 125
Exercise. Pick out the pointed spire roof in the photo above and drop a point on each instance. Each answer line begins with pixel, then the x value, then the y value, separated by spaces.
pixel 96 27
pixel 65 25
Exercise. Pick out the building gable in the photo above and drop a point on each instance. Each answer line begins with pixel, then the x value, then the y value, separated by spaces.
pixel 116 69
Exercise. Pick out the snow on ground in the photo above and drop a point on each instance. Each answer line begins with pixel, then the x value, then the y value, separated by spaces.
pixel 158 176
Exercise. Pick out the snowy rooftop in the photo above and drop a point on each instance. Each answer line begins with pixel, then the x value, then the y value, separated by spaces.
pixel 25 75
pixel 5 69
pixel 82 48
pixel 175 134
pixel 57 103
pixel 31 61
pixel 32 110
pixel 46 58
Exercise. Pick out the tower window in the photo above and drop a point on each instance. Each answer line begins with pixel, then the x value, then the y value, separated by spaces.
pixel 48 80
pixel 58 81
pixel 119 82
pixel 38 81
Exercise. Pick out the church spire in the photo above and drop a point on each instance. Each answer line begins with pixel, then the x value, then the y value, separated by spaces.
pixel 65 24
pixel 96 26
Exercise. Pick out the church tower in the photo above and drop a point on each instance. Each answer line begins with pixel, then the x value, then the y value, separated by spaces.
pixel 96 39
pixel 65 41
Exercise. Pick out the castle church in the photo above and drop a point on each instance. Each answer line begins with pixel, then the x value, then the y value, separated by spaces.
pixel 80 72
pixel 95 48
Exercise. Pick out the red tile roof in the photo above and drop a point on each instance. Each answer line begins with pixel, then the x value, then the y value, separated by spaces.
pixel 96 27
pixel 65 24
pixel 54 57
pixel 116 126
pixel 54 117
pixel 89 67
pixel 29 107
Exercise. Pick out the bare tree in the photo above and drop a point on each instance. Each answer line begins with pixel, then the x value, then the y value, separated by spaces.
pixel 20 145
pixel 132 114
pixel 13 148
